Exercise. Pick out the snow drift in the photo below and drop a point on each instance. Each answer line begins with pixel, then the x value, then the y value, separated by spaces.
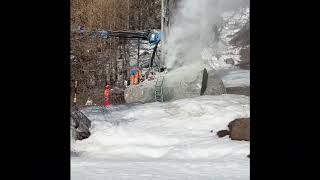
pixel 170 140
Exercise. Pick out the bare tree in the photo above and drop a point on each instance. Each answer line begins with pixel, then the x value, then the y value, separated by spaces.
pixel 95 62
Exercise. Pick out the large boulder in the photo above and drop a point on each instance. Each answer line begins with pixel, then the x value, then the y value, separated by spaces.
pixel 178 84
pixel 229 61
pixel 142 93
pixel 242 90
pixel 80 124
pixel 236 81
pixel 240 129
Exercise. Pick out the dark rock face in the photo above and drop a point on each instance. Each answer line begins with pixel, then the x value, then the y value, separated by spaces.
pixel 240 129
pixel 245 90
pixel 248 156
pixel 229 61
pixel 244 65
pixel 242 38
pixel 80 124
pixel 245 58
pixel 245 54
pixel 223 133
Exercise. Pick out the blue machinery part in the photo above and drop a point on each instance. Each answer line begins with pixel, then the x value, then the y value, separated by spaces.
pixel 154 38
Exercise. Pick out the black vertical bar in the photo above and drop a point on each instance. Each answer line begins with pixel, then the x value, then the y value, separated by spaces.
pixel 153 54
pixel 138 52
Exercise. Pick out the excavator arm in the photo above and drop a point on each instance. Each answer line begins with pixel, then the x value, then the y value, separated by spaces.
pixel 152 38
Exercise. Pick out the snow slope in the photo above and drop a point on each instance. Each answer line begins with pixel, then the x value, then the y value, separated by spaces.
pixel 169 140
pixel 231 23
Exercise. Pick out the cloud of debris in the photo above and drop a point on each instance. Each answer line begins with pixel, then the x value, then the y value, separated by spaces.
pixel 192 30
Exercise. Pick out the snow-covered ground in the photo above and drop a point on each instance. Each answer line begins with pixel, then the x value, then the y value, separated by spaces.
pixel 170 140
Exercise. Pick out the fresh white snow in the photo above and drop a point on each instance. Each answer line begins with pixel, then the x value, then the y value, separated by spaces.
pixel 170 140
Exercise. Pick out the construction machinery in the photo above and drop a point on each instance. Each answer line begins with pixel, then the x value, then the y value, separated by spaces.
pixel 153 38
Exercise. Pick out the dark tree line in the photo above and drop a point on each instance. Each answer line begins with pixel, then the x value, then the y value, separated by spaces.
pixel 95 61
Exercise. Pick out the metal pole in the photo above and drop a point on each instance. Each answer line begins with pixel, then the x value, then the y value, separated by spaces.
pixel 138 52
pixel 75 92
pixel 163 33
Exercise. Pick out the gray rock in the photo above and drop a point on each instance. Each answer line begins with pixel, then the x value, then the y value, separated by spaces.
pixel 229 61
pixel 178 84
pixel 74 154
pixel 243 90
pixel 80 124
pixel 142 93
pixel 242 37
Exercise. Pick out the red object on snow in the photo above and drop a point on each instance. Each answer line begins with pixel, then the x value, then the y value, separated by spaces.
pixel 107 96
